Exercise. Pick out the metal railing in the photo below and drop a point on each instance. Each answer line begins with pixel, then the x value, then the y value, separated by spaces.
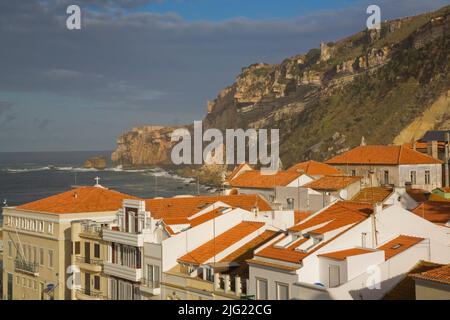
pixel 92 230
pixel 94 261
pixel 26 266
pixel 92 293
pixel 150 283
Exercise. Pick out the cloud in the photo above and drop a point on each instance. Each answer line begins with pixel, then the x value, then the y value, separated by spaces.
pixel 129 65
pixel 43 123
pixel 5 106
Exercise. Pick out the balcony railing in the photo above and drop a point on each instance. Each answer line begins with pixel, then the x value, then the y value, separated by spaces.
pixel 91 230
pixel 150 283
pixel 26 266
pixel 97 262
pixel 92 293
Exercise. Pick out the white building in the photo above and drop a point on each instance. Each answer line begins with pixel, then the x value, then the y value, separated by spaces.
pixel 344 250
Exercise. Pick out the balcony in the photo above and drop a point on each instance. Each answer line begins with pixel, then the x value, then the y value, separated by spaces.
pixel 83 294
pixel 150 287
pixel 117 270
pixel 93 231
pixel 23 266
pixel 93 265
pixel 130 239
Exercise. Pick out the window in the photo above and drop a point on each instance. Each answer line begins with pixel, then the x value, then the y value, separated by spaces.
pixel 41 226
pixel 17 222
pixel 24 282
pixel 18 280
pixel 153 276
pixel 413 177
pixel 96 250
pixel 35 255
pixel 427 177
pixel 386 177
pixel 27 224
pixel 353 173
pixel 10 249
pixel 261 289
pixel 77 247
pixel 50 258
pixel 50 228
pixel 41 256
pixel 97 282
pixel 22 223
pixel 209 274
pixel 282 291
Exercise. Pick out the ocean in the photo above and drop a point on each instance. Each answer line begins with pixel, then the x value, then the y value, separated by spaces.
pixel 28 176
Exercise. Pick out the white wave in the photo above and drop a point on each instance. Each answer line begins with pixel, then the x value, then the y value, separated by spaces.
pixel 11 170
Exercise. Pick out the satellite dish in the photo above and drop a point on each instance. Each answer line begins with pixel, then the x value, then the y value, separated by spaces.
pixel 343 194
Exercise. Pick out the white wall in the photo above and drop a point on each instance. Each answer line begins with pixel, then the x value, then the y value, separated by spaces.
pixel 272 278
pixel 180 244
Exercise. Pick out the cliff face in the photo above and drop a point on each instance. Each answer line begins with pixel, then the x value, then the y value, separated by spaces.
pixel 375 84
pixel 143 146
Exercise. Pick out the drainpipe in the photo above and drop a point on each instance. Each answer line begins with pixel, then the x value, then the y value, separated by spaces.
pixel 377 208
pixel 447 145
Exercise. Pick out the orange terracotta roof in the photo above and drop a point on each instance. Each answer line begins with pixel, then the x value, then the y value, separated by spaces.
pixel 445 189
pixel 79 200
pixel 207 216
pixel 182 208
pixel 215 246
pixel 299 216
pixel 254 179
pixel 434 211
pixel 271 265
pixel 399 245
pixel 314 168
pixel 441 275
pixel 373 195
pixel 338 215
pixel 437 198
pixel 423 145
pixel 343 254
pixel 291 255
pixel 418 195
pixel 332 183
pixel 406 288
pixel 237 169
pixel 246 251
pixel 383 155
pixel 288 254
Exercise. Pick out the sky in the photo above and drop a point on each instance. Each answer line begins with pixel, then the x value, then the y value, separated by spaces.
pixel 138 62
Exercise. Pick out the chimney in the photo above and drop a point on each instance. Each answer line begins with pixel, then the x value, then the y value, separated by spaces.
pixel 434 149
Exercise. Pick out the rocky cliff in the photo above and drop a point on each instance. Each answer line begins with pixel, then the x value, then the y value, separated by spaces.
pixel 143 146
pixel 376 84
